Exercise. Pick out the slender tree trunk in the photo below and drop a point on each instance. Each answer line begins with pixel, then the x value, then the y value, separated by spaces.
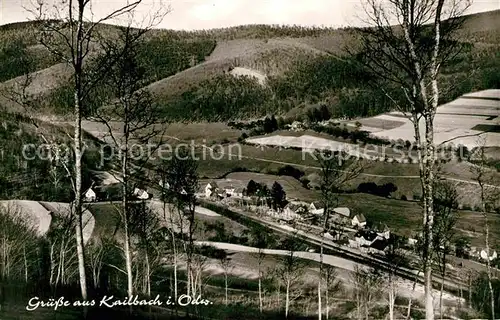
pixel 78 72
pixel 443 274
pixel 148 278
pixel 358 301
pixel 470 290
pixel 319 292
pixel 52 264
pixel 225 283
pixel 327 303
pixel 175 273
pixel 260 292
pixel 125 212
pixel 25 265
pixel 287 298
pixel 78 194
pixel 487 244
pixel 391 297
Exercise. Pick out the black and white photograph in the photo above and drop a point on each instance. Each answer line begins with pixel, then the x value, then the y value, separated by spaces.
pixel 249 159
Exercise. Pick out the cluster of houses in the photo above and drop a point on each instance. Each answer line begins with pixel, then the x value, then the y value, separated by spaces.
pixel 212 190
pixel 371 241
pixel 112 192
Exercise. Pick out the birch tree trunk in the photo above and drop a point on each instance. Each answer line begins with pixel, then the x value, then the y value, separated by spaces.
pixel 78 171
pixel 327 303
pixel 125 206
pixel 260 293
pixel 287 298
pixel 487 244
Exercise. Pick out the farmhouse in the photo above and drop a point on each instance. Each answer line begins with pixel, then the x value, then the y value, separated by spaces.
pixel 235 192
pixel 90 195
pixel 211 189
pixel 384 232
pixel 141 194
pixel 484 255
pixel 316 207
pixel 359 220
pixel 293 210
pixel 365 237
pixel 296 126
pixel 378 246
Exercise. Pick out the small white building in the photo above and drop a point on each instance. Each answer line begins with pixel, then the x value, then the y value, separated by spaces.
pixel 292 211
pixel 317 207
pixel 384 232
pixel 484 255
pixel 90 195
pixel 234 192
pixel 327 235
pixel 141 194
pixel 359 220
pixel 238 192
pixel 211 189
pixel 296 126
pixel 365 237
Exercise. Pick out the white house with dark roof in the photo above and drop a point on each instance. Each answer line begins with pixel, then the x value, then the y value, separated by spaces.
pixel 317 207
pixel 141 194
pixel 211 189
pixel 238 192
pixel 359 220
pixel 90 195
pixel 384 232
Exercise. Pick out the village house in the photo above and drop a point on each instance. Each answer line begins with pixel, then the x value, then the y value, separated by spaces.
pixel 235 192
pixel 369 242
pixel 484 255
pixel 294 210
pixel 211 189
pixel 384 232
pixel 359 221
pixel 141 194
pixel 378 246
pixel 317 207
pixel 296 126
pixel 90 195
pixel 229 191
pixel 365 237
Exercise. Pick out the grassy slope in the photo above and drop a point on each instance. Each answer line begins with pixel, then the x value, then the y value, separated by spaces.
pixel 108 222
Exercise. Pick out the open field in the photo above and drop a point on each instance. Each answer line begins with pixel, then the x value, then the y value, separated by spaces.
pixel 107 220
pixel 40 214
pixel 460 121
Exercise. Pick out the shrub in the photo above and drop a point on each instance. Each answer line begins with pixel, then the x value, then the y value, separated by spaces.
pixel 243 136
pixel 404 198
pixel 291 172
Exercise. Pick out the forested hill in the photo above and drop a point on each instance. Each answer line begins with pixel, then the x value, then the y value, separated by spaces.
pixel 194 75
